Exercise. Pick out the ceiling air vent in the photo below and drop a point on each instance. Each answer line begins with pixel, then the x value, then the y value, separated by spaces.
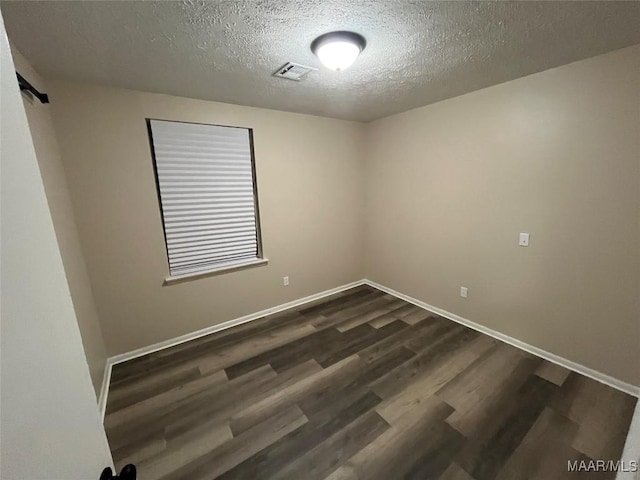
pixel 293 71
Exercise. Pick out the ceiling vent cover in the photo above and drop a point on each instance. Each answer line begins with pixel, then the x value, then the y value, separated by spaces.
pixel 293 71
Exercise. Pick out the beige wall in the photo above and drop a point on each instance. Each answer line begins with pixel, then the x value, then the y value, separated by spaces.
pixel 447 189
pixel 450 186
pixel 310 185
pixel 59 200
pixel 50 426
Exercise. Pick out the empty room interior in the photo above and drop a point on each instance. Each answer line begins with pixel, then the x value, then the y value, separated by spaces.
pixel 341 240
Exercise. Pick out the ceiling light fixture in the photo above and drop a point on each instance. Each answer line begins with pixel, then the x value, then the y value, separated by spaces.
pixel 338 50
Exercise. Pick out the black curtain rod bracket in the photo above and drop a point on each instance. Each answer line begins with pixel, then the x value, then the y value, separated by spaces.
pixel 24 85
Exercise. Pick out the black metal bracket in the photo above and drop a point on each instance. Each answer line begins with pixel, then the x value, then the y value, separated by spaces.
pixel 24 85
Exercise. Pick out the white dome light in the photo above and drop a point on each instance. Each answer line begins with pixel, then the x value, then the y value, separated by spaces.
pixel 338 55
pixel 338 50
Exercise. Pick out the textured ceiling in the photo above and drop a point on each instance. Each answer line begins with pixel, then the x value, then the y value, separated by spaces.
pixel 417 52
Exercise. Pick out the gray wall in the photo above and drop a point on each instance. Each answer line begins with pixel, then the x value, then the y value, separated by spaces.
pixel 556 154
pixel 59 200
pixel 423 202
pixel 50 427
pixel 310 188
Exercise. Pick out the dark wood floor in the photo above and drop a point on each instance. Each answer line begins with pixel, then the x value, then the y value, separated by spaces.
pixel 360 385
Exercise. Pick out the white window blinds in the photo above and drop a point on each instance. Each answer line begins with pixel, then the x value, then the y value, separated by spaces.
pixel 206 185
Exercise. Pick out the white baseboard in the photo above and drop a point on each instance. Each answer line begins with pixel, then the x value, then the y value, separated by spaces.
pixel 576 367
pixel 553 358
pixel 104 389
pixel 111 361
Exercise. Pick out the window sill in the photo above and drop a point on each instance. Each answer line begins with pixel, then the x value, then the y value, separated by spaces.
pixel 258 262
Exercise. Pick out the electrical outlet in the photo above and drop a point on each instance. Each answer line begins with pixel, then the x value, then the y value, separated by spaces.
pixel 463 292
pixel 285 281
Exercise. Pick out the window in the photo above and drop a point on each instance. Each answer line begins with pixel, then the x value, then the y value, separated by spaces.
pixel 207 190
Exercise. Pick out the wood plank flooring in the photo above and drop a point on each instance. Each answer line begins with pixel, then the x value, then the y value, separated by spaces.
pixel 358 386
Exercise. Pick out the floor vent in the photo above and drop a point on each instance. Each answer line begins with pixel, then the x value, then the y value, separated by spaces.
pixel 294 71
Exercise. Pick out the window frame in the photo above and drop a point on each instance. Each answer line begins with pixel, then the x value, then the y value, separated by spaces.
pixel 242 264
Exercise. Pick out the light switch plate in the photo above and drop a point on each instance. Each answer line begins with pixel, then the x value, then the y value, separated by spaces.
pixel 524 240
